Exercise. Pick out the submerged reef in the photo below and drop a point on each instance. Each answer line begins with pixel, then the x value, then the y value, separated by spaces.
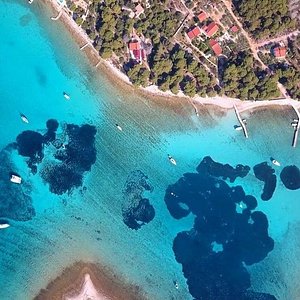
pixel 290 177
pixel 241 238
pixel 30 144
pixel 212 168
pixel 266 174
pixel 136 210
pixel 66 161
pixel 76 157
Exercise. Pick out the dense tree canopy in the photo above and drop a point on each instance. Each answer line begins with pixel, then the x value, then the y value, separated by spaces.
pixel 241 80
pixel 264 18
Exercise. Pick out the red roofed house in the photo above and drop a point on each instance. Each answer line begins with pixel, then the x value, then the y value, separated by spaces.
pixel 138 10
pixel 279 52
pixel 194 32
pixel 202 16
pixel 215 47
pixel 234 29
pixel 211 29
pixel 136 52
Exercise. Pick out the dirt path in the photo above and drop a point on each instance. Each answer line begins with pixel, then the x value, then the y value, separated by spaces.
pixel 277 39
pixel 245 33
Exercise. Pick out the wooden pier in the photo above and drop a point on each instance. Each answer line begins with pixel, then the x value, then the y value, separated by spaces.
pixel 57 17
pixel 296 131
pixel 85 45
pixel 241 121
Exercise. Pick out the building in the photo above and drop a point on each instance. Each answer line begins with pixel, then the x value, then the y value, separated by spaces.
pixel 194 32
pixel 234 29
pixel 210 30
pixel 216 48
pixel 136 51
pixel 81 3
pixel 138 10
pixel 279 52
pixel 202 16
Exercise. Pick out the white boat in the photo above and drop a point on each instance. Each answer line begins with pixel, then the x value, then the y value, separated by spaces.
pixel 119 127
pixel 3 226
pixel 172 160
pixel 15 179
pixel 24 118
pixel 30 1
pixel 275 162
pixel 238 128
pixel 66 96
pixel 176 285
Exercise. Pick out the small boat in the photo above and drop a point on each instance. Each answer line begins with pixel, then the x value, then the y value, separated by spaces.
pixel 244 121
pixel 15 178
pixel 236 127
pixel 176 284
pixel 24 118
pixel 119 127
pixel 66 96
pixel 172 160
pixel 30 1
pixel 276 162
pixel 4 225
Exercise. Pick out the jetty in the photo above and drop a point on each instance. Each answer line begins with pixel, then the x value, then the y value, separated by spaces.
pixel 84 46
pixel 57 17
pixel 241 121
pixel 296 131
pixel 98 63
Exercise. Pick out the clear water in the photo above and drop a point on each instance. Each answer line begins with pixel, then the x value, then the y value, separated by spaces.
pixel 39 61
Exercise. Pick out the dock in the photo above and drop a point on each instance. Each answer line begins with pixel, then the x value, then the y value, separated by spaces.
pixel 296 131
pixel 240 121
pixel 85 45
pixel 57 17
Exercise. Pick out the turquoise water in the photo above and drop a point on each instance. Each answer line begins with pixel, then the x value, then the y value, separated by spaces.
pixel 39 61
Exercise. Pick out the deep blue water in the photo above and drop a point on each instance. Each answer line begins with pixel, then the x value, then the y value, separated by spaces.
pixel 91 192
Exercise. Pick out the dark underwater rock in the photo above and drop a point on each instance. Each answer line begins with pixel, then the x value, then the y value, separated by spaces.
pixel 77 157
pixel 290 177
pixel 139 215
pixel 50 135
pixel 136 210
pixel 243 237
pixel 209 166
pixel 266 174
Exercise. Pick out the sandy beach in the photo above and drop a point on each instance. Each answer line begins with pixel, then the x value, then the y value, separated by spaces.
pixel 120 79
pixel 86 281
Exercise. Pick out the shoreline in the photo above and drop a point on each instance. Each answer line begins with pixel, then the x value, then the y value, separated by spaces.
pixel 118 78
pixel 83 281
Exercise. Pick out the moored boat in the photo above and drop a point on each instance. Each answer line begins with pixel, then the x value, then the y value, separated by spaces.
pixel 276 162
pixel 66 96
pixel 119 127
pixel 30 1
pixel 24 118
pixel 15 178
pixel 4 225
pixel 172 160
pixel 238 127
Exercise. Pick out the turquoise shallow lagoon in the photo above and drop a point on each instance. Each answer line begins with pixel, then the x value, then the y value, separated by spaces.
pixel 39 61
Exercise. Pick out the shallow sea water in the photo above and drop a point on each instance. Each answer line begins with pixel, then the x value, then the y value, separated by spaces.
pixel 39 61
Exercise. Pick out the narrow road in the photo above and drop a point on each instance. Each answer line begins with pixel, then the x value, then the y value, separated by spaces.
pixel 277 39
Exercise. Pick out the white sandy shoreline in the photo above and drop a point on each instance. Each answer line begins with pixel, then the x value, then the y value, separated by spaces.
pixel 88 291
pixel 219 101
